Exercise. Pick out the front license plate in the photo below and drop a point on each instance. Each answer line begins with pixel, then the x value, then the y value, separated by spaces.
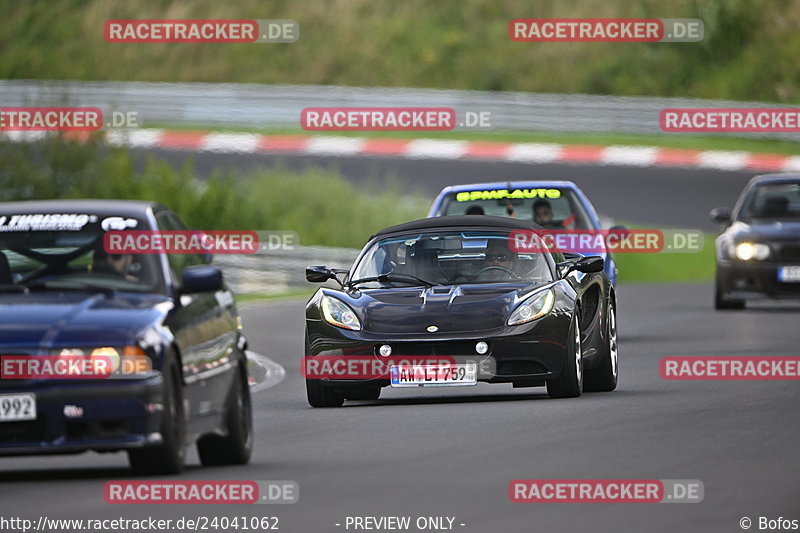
pixel 789 274
pixel 433 375
pixel 14 407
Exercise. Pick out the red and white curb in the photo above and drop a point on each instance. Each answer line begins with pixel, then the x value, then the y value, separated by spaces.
pixel 324 145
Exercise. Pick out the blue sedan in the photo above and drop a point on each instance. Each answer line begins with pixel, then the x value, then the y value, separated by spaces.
pixel 169 318
pixel 551 204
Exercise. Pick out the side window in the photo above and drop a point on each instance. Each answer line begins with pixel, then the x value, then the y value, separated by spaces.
pixel 167 221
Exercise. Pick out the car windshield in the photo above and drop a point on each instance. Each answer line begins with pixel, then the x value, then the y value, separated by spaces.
pixel 772 202
pixel 447 258
pixel 550 208
pixel 65 252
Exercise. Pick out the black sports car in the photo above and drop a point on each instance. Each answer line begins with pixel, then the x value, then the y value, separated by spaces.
pixel 64 299
pixel 758 254
pixel 450 301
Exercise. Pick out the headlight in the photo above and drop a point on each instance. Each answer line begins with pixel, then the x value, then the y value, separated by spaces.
pixel 125 360
pixel 339 314
pixel 533 307
pixel 748 250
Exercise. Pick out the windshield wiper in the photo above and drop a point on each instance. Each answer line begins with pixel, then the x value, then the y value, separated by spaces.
pixel 393 277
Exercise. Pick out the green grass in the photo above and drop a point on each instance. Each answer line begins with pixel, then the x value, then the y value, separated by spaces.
pixel 254 297
pixel 681 141
pixel 749 50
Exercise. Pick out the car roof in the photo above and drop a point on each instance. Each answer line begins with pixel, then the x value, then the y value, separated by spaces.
pixel 460 222
pixel 111 207
pixel 775 178
pixel 514 184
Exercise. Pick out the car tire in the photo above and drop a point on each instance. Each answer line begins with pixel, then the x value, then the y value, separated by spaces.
pixel 322 396
pixel 605 377
pixel 236 447
pixel 722 302
pixel 570 383
pixel 167 457
pixel 363 393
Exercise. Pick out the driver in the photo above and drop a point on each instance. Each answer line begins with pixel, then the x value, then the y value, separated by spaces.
pixel 114 264
pixel 498 254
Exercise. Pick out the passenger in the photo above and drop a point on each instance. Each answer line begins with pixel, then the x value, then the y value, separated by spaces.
pixel 543 214
pixel 474 209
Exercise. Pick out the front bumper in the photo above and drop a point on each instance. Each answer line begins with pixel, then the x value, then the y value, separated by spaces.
pixel 753 280
pixel 525 355
pixel 114 415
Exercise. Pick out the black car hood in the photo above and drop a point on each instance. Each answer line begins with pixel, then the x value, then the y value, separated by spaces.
pixel 58 319
pixel 451 309
pixel 776 231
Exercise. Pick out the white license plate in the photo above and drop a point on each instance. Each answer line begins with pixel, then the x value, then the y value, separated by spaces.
pixel 15 407
pixel 789 274
pixel 433 375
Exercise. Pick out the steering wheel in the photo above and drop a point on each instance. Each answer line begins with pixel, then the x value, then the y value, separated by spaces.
pixel 497 268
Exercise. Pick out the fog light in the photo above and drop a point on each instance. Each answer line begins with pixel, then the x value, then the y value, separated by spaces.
pixel 385 350
pixel 481 348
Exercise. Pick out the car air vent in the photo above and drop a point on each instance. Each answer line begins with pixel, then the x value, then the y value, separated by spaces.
pixel 400 298
pixel 472 298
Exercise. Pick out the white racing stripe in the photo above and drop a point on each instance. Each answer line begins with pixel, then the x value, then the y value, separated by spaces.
pixel 146 138
pixel 238 143
pixel 534 152
pixel 792 164
pixel 334 145
pixel 436 149
pixel 637 156
pixel 721 160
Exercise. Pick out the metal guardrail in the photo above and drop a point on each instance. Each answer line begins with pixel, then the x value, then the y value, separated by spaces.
pixel 265 106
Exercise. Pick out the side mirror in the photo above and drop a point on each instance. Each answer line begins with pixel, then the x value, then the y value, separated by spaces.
pixel 581 264
pixel 721 215
pixel 201 278
pixel 590 264
pixel 319 274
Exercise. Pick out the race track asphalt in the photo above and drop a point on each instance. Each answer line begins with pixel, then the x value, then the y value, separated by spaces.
pixel 448 452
